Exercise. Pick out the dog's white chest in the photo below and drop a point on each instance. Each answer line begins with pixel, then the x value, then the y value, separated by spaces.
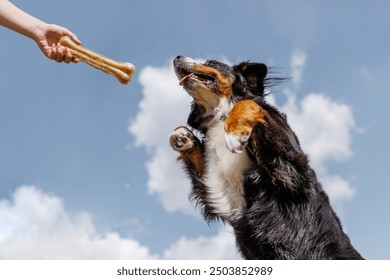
pixel 224 174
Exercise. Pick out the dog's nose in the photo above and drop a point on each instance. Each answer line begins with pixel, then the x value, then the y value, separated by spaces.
pixel 179 57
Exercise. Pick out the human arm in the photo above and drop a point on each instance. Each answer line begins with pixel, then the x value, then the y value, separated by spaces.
pixel 45 35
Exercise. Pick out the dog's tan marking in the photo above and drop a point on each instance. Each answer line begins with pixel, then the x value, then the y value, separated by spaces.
pixel 245 115
pixel 193 157
pixel 224 82
pixel 189 147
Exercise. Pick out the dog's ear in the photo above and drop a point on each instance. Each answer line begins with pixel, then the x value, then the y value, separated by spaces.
pixel 254 74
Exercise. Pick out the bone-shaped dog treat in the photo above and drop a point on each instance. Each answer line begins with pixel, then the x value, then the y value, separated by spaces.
pixel 121 70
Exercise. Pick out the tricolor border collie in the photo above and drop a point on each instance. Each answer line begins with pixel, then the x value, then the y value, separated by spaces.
pixel 247 167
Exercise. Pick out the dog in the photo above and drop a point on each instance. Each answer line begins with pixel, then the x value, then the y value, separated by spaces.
pixel 247 167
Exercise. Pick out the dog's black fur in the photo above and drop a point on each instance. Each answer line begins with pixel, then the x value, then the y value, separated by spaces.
pixel 287 214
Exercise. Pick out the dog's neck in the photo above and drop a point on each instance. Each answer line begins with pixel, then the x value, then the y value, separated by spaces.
pixel 213 116
pixel 223 109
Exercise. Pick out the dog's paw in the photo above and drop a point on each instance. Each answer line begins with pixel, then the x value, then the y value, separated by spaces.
pixel 236 143
pixel 182 139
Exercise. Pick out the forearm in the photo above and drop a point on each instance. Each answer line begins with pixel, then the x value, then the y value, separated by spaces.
pixel 47 36
pixel 17 20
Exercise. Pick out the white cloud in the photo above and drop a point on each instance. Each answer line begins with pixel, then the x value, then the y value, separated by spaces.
pixel 338 188
pixel 35 225
pixel 164 107
pixel 297 64
pixel 324 127
pixel 215 247
pixel 168 182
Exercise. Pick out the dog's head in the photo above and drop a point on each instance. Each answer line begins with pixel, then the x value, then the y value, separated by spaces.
pixel 212 82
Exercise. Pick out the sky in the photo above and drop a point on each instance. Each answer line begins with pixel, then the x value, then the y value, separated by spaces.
pixel 86 171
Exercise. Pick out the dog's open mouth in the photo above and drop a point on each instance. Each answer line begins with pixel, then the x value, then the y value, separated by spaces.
pixel 201 77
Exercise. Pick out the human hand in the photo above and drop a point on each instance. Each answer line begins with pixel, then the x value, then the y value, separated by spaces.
pixel 48 39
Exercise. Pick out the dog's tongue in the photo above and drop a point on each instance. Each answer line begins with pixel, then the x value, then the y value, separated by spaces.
pixel 181 82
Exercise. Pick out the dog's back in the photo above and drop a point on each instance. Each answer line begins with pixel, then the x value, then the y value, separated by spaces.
pixel 288 214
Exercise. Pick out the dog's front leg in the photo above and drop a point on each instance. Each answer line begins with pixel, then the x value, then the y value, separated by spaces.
pixel 190 148
pixel 191 151
pixel 244 116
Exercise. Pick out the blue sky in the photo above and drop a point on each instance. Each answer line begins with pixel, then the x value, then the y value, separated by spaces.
pixel 85 167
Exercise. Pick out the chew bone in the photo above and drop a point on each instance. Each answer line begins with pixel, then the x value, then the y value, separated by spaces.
pixel 121 70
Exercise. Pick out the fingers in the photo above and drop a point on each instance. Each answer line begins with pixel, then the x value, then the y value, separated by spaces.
pixel 48 42
pixel 61 54
pixel 74 38
pixel 67 32
pixel 67 55
pixel 53 52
